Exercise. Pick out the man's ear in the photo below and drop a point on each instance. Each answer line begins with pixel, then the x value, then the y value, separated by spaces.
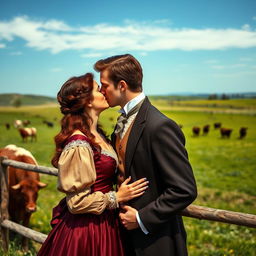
pixel 122 85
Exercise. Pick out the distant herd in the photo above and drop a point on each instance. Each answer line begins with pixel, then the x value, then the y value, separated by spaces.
pixel 224 132
pixel 26 132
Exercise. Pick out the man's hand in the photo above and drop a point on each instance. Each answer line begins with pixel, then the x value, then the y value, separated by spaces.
pixel 128 217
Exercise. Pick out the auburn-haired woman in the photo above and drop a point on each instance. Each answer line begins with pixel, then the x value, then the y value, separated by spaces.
pixel 85 222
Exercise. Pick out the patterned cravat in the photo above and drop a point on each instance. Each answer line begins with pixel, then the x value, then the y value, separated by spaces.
pixel 122 119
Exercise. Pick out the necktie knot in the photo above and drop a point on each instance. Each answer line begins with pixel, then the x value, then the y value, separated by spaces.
pixel 123 118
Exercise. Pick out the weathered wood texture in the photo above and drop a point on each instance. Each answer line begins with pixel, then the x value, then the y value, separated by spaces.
pixel 205 213
pixel 31 167
pixel 27 232
pixel 4 204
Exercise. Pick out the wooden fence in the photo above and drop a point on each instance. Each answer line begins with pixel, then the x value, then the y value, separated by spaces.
pixel 193 211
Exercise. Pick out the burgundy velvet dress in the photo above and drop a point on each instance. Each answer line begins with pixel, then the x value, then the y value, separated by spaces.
pixel 86 234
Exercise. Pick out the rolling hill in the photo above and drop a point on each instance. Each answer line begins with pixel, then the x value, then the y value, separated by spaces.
pixel 14 99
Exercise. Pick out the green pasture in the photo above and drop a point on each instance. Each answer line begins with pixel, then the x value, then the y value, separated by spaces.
pixel 218 103
pixel 224 171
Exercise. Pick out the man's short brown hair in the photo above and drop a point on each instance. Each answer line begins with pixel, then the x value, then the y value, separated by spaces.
pixel 122 67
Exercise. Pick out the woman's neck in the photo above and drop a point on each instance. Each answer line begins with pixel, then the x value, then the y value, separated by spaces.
pixel 94 122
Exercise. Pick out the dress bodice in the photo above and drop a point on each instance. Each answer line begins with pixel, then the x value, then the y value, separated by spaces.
pixel 105 165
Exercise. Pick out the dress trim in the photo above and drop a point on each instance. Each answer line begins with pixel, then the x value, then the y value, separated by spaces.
pixel 78 143
pixel 80 140
pixel 109 153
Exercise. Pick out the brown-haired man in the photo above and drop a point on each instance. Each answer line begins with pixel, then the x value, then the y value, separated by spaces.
pixel 148 145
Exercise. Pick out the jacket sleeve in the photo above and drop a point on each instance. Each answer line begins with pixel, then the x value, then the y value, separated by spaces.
pixel 76 176
pixel 170 162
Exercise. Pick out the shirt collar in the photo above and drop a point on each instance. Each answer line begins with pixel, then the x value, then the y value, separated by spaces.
pixel 132 103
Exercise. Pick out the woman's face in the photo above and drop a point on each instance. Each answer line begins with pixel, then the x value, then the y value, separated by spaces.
pixel 98 101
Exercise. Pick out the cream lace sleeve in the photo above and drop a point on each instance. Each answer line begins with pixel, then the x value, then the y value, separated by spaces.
pixel 76 176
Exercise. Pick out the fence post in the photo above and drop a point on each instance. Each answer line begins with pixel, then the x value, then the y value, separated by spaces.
pixel 4 201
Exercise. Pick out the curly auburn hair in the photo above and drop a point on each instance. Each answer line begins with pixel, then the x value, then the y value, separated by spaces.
pixel 73 97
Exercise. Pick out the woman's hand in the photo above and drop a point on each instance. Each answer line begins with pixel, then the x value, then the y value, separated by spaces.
pixel 127 191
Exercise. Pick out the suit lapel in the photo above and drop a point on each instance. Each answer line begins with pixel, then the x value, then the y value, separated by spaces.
pixel 135 134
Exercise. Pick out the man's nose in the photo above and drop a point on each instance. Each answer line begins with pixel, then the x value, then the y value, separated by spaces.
pixel 102 91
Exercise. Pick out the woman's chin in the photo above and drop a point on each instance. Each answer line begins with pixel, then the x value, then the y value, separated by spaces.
pixel 104 108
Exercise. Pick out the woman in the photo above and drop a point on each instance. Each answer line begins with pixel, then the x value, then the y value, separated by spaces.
pixel 86 221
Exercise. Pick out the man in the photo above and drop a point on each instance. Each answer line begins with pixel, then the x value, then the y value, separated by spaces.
pixel 148 145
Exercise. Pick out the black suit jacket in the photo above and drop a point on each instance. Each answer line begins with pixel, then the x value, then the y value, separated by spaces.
pixel 155 150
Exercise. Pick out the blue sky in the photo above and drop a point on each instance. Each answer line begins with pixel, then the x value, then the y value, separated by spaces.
pixel 184 46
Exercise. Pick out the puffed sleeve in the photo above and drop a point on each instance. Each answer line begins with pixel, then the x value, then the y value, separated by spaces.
pixel 76 176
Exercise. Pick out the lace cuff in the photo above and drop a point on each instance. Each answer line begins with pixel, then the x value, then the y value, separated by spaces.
pixel 111 196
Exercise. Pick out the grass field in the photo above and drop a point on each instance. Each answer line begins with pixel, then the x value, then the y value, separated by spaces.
pixel 224 169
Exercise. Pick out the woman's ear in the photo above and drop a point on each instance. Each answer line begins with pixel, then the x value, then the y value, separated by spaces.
pixel 89 104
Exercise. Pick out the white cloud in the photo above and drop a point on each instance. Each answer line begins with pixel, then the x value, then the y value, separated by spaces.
pixel 246 27
pixel 91 55
pixel 16 53
pixel 218 67
pixel 56 36
pixel 56 69
pixel 246 59
pixel 211 61
pixel 233 66
pixel 2 45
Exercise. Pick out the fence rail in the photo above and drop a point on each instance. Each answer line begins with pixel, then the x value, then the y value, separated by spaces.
pixel 192 211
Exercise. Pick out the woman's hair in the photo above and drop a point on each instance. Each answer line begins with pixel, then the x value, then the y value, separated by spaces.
pixel 73 97
pixel 122 67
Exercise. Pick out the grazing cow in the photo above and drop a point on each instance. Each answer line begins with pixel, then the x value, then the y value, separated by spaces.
pixel 17 123
pixel 27 132
pixel 196 130
pixel 23 187
pixel 243 132
pixel 7 125
pixel 217 125
pixel 26 122
pixel 225 133
pixel 206 129
pixel 49 124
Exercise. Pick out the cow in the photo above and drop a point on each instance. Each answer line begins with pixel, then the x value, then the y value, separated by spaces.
pixel 225 132
pixel 23 187
pixel 28 132
pixel 196 130
pixel 206 129
pixel 17 123
pixel 26 122
pixel 49 124
pixel 217 125
pixel 243 132
pixel 7 126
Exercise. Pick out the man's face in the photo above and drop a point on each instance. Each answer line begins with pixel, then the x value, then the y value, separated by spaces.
pixel 108 89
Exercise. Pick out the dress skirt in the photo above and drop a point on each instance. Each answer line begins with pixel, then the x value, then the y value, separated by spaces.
pixel 83 234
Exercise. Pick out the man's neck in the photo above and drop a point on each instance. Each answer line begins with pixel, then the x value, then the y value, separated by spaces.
pixel 128 97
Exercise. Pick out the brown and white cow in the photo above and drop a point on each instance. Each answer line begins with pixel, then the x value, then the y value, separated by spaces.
pixel 27 132
pixel 17 123
pixel 23 187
